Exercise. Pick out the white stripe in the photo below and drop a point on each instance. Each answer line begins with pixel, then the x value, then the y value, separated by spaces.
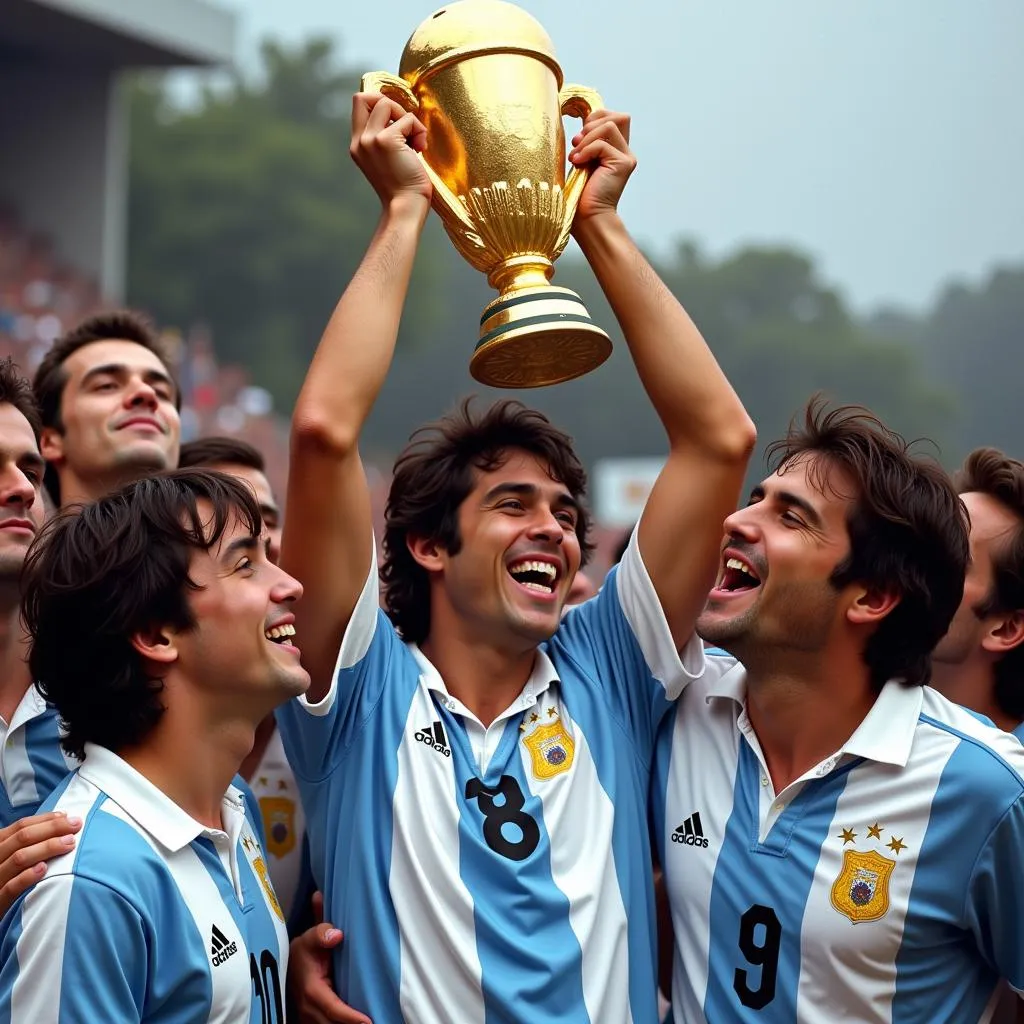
pixel 579 819
pixel 642 609
pixel 440 966
pixel 231 982
pixel 35 996
pixel 859 960
pixel 705 749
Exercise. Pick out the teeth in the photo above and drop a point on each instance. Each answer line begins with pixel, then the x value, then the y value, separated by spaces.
pixel 735 563
pixel 279 631
pixel 539 587
pixel 545 567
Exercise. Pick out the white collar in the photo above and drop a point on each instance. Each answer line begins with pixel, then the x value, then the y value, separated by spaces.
pixel 149 806
pixel 885 734
pixel 541 678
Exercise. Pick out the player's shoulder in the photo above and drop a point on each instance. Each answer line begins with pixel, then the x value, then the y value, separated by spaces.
pixel 992 760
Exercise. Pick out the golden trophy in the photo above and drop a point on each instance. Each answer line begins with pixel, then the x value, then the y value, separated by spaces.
pixel 482 77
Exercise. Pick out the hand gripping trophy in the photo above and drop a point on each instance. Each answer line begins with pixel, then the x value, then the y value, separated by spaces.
pixel 482 77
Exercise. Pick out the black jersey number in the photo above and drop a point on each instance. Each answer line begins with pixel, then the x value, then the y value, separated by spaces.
pixel 267 983
pixel 508 812
pixel 760 940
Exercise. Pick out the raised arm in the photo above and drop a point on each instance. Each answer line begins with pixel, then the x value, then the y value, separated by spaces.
pixel 709 433
pixel 328 534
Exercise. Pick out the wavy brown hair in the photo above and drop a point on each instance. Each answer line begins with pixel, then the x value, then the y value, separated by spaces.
pixel 989 471
pixel 908 530
pixel 100 573
pixel 435 474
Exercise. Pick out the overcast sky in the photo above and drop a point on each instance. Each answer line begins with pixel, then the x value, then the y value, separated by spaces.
pixel 884 137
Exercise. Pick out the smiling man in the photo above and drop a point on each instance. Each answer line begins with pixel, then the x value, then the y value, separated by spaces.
pixel 109 405
pixel 163 635
pixel 839 841
pixel 474 766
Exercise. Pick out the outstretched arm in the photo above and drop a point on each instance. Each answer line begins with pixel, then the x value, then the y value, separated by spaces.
pixel 328 533
pixel 710 434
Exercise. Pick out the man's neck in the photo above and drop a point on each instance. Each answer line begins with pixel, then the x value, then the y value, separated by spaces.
pixel 484 678
pixel 801 717
pixel 14 675
pixel 193 762
pixel 971 684
pixel 76 491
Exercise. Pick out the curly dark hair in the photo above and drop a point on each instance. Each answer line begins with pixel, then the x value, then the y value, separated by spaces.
pixel 434 475
pixel 989 471
pixel 17 391
pixel 908 530
pixel 100 573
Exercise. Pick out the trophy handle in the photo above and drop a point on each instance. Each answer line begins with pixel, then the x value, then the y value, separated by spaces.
pixel 451 211
pixel 575 101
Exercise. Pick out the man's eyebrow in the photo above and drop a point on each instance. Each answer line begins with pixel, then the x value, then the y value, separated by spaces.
pixel 120 369
pixel 789 498
pixel 240 545
pixel 524 490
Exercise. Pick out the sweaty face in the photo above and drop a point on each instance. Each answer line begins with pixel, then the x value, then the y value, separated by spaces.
pixel 519 555
pixel 243 648
pixel 992 526
pixel 773 588
pixel 21 502
pixel 260 486
pixel 118 414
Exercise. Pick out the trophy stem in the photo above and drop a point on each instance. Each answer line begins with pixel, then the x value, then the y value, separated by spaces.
pixel 529 271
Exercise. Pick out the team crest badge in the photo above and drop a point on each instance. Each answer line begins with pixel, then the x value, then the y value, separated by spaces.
pixel 278 814
pixel 259 865
pixel 861 892
pixel 551 749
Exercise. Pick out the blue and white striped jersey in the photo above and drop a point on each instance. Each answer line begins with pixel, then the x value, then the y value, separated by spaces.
pixel 151 917
pixel 883 885
pixel 502 873
pixel 31 759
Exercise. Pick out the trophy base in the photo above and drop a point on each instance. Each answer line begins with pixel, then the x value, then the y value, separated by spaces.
pixel 532 337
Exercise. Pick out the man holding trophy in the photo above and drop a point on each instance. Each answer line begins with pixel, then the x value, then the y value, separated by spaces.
pixel 474 766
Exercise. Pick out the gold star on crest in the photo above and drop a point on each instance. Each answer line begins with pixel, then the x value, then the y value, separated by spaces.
pixel 534 717
pixel 896 845
pixel 847 836
pixel 552 713
pixel 263 781
pixel 281 784
pixel 875 831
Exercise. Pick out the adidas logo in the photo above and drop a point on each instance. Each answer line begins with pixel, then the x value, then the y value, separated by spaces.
pixel 690 832
pixel 434 737
pixel 220 948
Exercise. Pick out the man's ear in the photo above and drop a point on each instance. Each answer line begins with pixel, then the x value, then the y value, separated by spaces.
pixel 427 553
pixel 51 444
pixel 871 605
pixel 157 644
pixel 1005 633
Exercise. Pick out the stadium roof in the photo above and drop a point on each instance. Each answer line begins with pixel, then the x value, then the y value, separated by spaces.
pixel 117 33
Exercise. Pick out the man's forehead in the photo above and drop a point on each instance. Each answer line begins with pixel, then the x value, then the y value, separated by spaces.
pixel 813 477
pixel 114 352
pixel 16 434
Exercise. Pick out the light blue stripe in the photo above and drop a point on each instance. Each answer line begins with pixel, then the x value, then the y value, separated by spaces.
pixel 776 876
pixel 530 958
pixel 351 827
pixel 940 973
pixel 625 777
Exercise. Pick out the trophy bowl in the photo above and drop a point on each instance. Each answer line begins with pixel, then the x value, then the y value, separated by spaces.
pixel 482 77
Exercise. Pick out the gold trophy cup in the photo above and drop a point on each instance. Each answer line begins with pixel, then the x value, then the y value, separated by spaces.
pixel 482 77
